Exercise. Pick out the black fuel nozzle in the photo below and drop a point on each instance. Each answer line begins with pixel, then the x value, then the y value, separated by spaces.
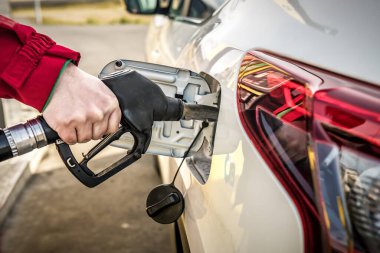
pixel 141 102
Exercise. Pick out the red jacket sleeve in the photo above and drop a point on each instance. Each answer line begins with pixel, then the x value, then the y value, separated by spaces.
pixel 30 63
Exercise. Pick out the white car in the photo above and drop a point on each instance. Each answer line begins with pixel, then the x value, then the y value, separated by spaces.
pixel 295 163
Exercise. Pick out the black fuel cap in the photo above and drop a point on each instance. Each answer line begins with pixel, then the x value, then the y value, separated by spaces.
pixel 165 204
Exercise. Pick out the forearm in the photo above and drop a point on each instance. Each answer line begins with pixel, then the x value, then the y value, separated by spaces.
pixel 29 63
pixel 78 106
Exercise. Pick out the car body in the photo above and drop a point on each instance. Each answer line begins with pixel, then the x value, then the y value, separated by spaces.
pixel 246 204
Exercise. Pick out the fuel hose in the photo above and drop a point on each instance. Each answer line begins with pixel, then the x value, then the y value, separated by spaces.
pixel 25 137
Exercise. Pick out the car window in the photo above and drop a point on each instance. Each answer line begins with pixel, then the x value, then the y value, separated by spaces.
pixel 199 9
pixel 147 5
pixel 214 3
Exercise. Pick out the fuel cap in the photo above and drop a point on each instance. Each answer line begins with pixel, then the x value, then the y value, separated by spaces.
pixel 165 204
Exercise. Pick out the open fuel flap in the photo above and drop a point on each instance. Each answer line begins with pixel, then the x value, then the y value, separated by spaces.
pixel 172 138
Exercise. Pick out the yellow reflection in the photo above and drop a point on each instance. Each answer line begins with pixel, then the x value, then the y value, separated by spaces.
pixel 325 215
pixel 341 211
pixel 311 158
pixel 249 71
pixel 249 89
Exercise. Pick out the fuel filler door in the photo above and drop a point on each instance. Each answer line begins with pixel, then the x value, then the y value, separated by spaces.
pixel 173 138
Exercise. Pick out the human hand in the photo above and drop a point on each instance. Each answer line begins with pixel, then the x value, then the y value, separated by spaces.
pixel 82 107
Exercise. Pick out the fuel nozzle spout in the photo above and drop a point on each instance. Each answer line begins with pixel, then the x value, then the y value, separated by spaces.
pixel 179 110
pixel 199 112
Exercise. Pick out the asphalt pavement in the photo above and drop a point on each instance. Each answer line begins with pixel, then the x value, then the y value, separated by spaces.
pixel 54 212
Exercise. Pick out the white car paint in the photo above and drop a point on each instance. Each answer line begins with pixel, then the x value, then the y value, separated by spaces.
pixel 242 207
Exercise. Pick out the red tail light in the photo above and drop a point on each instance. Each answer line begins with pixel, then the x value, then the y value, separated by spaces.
pixel 320 135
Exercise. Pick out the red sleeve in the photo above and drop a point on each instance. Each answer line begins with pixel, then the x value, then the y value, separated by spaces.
pixel 30 63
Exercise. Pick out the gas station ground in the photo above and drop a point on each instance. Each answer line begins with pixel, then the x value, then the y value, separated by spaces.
pixel 55 212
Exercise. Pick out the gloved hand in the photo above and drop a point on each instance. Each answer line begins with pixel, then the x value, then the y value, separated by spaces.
pixel 82 107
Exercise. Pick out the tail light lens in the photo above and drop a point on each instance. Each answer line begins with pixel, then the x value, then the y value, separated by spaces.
pixel 320 135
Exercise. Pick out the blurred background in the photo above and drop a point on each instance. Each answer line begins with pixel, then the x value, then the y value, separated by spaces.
pixel 43 208
pixel 72 12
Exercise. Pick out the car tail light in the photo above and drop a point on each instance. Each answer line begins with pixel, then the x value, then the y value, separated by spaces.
pixel 320 135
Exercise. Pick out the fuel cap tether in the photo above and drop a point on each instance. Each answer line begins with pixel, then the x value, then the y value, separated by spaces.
pixel 165 203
